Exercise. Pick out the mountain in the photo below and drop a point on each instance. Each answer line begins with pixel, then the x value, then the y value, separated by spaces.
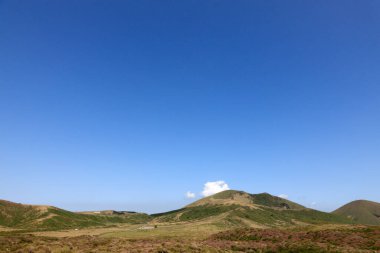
pixel 361 211
pixel 22 216
pixel 225 209
pixel 230 197
pixel 238 208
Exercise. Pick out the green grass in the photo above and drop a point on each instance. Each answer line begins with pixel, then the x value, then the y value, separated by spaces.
pixel 66 219
pixel 264 215
pixel 15 216
pixel 272 217
pixel 361 211
pixel 202 212
pixel 28 217
pixel 266 199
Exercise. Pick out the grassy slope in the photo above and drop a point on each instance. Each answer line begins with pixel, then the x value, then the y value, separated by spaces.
pixel 51 218
pixel 237 208
pixel 13 215
pixel 361 211
pixel 225 209
pixel 243 198
pixel 267 216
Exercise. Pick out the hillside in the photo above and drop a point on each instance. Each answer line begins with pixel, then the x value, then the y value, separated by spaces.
pixel 238 208
pixel 108 212
pixel 22 216
pixel 225 209
pixel 361 211
pixel 245 199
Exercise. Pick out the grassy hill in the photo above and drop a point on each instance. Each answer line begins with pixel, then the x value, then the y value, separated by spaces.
pixel 226 209
pixel 22 216
pixel 361 211
pixel 237 208
pixel 245 199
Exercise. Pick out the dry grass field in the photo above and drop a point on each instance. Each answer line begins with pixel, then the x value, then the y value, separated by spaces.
pixel 195 238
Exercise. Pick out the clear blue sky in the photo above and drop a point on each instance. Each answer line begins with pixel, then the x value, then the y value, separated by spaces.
pixel 130 104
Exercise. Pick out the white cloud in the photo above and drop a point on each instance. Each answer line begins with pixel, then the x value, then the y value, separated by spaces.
pixel 313 203
pixel 211 188
pixel 190 195
pixel 284 196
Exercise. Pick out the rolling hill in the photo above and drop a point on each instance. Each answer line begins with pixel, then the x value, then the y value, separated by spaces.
pixel 227 209
pixel 361 211
pixel 238 208
pixel 245 199
pixel 33 217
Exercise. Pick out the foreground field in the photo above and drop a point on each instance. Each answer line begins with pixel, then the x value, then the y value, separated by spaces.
pixel 132 239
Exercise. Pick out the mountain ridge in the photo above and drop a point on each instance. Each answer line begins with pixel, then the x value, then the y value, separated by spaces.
pixel 238 208
pixel 248 199
pixel 229 208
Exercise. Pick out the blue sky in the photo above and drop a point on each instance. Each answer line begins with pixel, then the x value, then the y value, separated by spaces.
pixel 128 105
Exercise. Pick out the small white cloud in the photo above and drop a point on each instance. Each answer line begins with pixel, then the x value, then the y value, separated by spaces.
pixel 284 196
pixel 211 188
pixel 313 203
pixel 190 195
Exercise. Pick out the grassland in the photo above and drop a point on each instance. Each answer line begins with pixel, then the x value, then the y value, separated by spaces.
pixel 231 221
pixel 29 217
pixel 343 238
pixel 237 215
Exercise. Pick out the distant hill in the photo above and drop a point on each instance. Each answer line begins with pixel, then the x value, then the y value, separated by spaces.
pixel 22 216
pixel 108 212
pixel 238 208
pixel 361 211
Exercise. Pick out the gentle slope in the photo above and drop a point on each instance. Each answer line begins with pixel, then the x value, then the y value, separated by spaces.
pixel 361 211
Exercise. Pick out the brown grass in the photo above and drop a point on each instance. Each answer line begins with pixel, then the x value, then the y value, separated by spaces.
pixel 309 239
